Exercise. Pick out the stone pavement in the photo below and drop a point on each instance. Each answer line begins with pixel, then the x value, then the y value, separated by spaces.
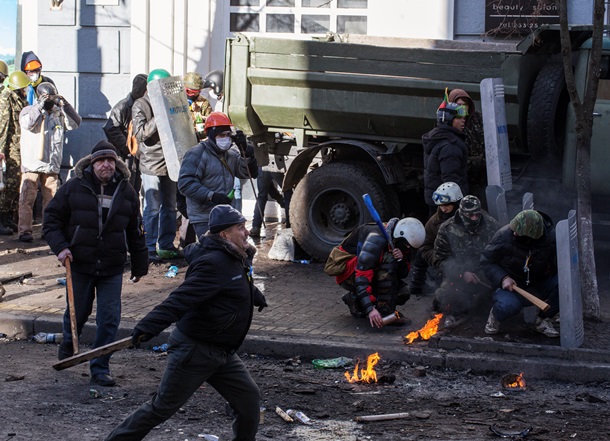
pixel 305 318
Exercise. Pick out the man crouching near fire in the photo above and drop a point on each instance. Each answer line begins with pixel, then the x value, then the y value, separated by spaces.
pixel 374 276
pixel 213 310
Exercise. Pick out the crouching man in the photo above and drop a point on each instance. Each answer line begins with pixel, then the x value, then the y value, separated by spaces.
pixel 213 310
pixel 374 276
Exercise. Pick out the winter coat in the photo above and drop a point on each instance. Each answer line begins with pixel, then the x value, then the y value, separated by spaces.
pixel 206 170
pixel 432 226
pixel 214 303
pixel 152 160
pixel 117 124
pixel 456 250
pixel 445 159
pixel 51 126
pixel 99 246
pixel 508 255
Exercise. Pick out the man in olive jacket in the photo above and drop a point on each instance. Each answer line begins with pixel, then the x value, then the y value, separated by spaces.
pixel 213 310
pixel 92 221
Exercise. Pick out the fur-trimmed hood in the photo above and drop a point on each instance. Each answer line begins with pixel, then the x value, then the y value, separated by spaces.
pixel 121 168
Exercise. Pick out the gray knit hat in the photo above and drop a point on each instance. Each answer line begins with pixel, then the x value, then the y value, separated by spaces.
pixel 223 217
pixel 103 150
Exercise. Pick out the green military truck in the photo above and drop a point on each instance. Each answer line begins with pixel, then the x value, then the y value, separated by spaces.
pixel 355 108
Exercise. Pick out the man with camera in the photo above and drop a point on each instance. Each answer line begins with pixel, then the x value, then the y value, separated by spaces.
pixel 208 170
pixel 43 125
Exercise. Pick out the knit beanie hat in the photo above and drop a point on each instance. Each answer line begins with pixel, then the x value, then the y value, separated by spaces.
pixel 103 150
pixel 223 217
pixel 528 223
pixel 470 205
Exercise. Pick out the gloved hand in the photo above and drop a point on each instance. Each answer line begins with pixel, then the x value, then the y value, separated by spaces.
pixel 240 139
pixel 58 100
pixel 249 151
pixel 138 336
pixel 261 303
pixel 219 198
pixel 41 99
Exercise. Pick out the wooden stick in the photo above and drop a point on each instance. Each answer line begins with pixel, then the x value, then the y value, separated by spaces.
pixel 532 298
pixel 94 353
pixel 71 308
pixel 384 417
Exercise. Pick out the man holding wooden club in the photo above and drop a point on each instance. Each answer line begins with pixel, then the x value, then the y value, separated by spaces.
pixel 521 259
pixel 92 221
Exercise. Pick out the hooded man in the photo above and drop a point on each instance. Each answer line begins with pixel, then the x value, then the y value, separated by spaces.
pixel 208 170
pixel 32 66
pixel 94 220
pixel 445 153
pixel 523 253
pixel 212 309
pixel 457 252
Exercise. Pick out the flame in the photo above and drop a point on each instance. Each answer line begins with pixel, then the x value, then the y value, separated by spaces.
pixel 517 382
pixel 367 375
pixel 429 329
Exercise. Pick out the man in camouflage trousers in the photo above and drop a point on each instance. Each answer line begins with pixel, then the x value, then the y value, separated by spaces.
pixel 12 101
pixel 457 252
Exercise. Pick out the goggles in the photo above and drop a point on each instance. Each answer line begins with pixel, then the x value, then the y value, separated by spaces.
pixel 440 199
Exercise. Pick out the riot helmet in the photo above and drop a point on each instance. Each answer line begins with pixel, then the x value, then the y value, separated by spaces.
pixel 447 193
pixel 46 89
pixel 410 229
pixel 214 81
pixel 448 111
pixel 18 80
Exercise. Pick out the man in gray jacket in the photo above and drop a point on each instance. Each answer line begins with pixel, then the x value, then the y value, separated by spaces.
pixel 43 126
pixel 208 170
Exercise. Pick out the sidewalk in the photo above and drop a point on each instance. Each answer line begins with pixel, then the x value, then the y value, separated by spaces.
pixel 307 318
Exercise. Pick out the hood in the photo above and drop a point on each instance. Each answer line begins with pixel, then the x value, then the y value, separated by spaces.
pixel 439 133
pixel 460 93
pixel 121 168
pixel 210 241
pixel 27 57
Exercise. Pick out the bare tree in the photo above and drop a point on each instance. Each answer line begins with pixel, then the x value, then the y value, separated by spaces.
pixel 583 109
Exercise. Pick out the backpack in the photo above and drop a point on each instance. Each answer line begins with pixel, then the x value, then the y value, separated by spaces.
pixel 336 264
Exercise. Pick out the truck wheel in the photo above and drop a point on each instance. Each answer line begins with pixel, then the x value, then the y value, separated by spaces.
pixel 327 204
pixel 546 113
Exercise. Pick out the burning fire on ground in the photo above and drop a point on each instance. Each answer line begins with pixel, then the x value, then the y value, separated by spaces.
pixel 367 375
pixel 513 381
pixel 429 329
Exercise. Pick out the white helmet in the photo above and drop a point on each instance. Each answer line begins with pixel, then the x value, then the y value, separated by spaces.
pixel 447 193
pixel 411 229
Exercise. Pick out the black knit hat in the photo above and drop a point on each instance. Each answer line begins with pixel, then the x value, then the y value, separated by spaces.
pixel 223 217
pixel 103 150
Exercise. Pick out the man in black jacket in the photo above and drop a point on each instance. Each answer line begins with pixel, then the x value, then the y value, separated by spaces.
pixel 213 310
pixel 93 220
pixel 117 126
pixel 523 253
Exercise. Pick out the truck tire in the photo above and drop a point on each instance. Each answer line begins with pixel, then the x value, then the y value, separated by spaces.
pixel 327 204
pixel 546 113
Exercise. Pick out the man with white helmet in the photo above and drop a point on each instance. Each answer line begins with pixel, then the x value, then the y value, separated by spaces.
pixel 457 251
pixel 374 276
pixel 447 198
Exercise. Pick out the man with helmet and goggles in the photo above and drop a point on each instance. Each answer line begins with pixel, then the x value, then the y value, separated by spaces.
pixel 457 251
pixel 445 152
pixel 32 67
pixel 374 276
pixel 208 170
pixel 447 198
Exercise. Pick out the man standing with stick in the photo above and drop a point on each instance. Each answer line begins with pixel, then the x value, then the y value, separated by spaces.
pixel 523 254
pixel 92 221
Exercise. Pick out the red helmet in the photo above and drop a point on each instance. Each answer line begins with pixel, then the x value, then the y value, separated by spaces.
pixel 216 119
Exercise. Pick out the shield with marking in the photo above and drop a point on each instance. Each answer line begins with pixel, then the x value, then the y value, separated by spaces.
pixel 174 121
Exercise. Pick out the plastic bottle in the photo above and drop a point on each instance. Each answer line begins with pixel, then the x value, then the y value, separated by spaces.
pixel 304 261
pixel 299 416
pixel 199 126
pixel 331 363
pixel 231 194
pixel 172 271
pixel 162 348
pixel 43 337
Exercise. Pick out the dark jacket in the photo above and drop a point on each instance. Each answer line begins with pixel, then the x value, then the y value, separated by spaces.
pixel 152 160
pixel 507 255
pixel 445 159
pixel 432 226
pixel 214 303
pixel 117 124
pixel 99 248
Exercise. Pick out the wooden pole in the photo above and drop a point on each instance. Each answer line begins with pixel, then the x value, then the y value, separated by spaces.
pixel 71 308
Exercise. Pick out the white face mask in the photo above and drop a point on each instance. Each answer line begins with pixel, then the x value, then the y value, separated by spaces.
pixel 34 77
pixel 224 144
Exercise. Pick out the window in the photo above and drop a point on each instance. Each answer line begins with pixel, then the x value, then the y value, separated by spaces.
pixel 349 24
pixel 315 3
pixel 281 3
pixel 352 4
pixel 245 2
pixel 315 24
pixel 244 22
pixel 280 23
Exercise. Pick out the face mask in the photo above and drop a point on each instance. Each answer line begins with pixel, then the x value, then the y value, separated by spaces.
pixel 224 144
pixel 34 77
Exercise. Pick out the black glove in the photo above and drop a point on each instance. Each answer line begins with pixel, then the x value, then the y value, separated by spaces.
pixel 249 151
pixel 219 198
pixel 261 303
pixel 138 336
pixel 240 139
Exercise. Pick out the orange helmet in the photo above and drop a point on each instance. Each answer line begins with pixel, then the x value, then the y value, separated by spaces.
pixel 216 119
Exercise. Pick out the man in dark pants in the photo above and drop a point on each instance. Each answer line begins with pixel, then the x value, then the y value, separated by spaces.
pixel 213 310
pixel 93 220
pixel 266 185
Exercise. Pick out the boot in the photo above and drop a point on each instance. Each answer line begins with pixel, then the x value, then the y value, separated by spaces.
pixel 5 231
pixel 8 221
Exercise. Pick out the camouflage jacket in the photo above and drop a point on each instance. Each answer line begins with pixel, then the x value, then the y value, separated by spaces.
pixel 200 109
pixel 432 226
pixel 475 142
pixel 11 105
pixel 456 250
